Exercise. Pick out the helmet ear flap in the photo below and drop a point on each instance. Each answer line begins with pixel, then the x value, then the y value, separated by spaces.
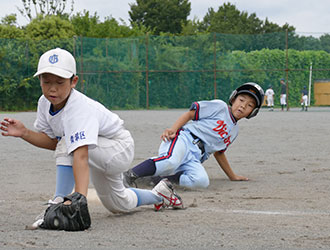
pixel 232 97
pixel 253 113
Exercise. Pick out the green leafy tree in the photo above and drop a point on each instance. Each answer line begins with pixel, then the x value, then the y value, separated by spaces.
pixel 254 34
pixel 325 42
pixel 191 27
pixel 229 20
pixel 9 20
pixel 49 27
pixel 160 15
pixel 19 57
pixel 84 24
pixel 44 7
pixel 269 27
pixel 87 25
pixel 15 84
pixel 9 29
pixel 306 43
pixel 112 29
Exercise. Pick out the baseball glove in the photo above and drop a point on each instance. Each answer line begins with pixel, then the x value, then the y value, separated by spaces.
pixel 70 215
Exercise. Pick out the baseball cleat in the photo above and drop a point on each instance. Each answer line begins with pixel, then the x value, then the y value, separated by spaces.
pixel 170 198
pixel 129 178
pixel 40 218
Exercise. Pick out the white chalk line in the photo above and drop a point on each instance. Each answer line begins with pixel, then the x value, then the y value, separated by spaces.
pixel 92 197
pixel 264 212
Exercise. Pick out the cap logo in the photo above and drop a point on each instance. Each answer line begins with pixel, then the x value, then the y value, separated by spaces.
pixel 53 59
pixel 252 90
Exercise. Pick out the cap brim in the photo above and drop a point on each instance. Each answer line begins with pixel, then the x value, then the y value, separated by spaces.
pixel 55 71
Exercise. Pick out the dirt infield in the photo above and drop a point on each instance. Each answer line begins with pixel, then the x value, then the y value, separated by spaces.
pixel 285 205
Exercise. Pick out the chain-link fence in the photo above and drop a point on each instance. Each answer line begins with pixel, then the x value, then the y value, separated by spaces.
pixel 164 71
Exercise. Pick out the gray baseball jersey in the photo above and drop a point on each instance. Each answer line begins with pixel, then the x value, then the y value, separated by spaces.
pixel 214 124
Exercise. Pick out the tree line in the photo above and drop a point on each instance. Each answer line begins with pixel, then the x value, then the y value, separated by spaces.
pixel 114 58
pixel 177 70
pixel 51 20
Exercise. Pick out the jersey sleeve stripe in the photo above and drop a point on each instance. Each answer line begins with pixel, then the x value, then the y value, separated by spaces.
pixel 196 107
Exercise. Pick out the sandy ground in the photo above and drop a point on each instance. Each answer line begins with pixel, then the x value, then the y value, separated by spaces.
pixel 285 205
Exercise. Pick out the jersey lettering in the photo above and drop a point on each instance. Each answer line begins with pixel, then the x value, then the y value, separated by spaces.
pixel 227 141
pixel 77 136
pixel 221 129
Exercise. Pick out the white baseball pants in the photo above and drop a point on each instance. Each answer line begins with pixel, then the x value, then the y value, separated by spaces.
pixel 107 161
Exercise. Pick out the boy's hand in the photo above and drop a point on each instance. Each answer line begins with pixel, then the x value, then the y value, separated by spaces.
pixel 239 178
pixel 168 134
pixel 12 127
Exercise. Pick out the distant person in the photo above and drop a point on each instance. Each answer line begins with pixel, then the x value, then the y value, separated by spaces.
pixel 270 98
pixel 283 94
pixel 304 99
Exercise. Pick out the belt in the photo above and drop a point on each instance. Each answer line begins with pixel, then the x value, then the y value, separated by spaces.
pixel 197 141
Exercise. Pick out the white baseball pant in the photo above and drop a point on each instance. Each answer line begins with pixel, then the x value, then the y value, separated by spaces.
pixel 283 99
pixel 107 161
pixel 304 100
pixel 270 101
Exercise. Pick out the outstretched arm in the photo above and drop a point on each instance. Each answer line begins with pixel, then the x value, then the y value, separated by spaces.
pixel 224 164
pixel 12 127
pixel 81 169
pixel 170 133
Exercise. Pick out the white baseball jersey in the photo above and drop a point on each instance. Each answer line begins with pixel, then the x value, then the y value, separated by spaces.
pixel 270 100
pixel 269 93
pixel 84 121
pixel 214 124
pixel 81 121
